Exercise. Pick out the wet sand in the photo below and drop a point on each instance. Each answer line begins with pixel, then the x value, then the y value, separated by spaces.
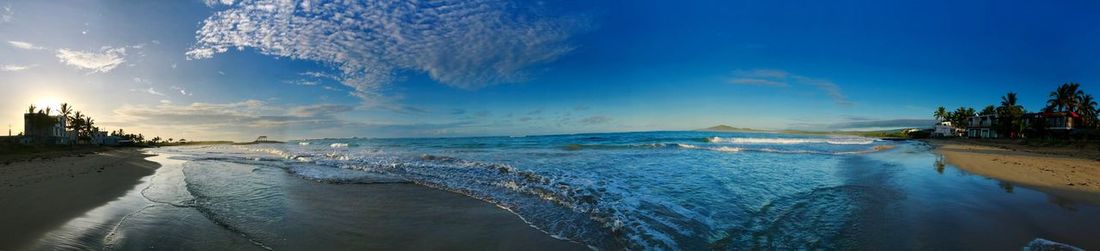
pixel 110 200
pixel 41 194
pixel 1075 176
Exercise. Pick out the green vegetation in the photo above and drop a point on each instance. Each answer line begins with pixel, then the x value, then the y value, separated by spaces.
pixel 1067 99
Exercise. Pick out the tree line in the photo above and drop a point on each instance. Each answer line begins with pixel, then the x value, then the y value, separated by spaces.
pixel 1067 98
pixel 82 125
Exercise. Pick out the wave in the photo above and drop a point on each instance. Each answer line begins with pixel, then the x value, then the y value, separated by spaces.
pixel 726 149
pixel 793 141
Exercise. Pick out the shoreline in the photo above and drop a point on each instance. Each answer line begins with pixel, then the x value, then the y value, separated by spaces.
pixel 1074 176
pixel 39 195
pixel 42 197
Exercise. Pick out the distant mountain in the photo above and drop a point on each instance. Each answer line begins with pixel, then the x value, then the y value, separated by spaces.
pixel 726 128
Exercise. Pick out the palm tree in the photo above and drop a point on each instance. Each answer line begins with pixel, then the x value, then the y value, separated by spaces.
pixel 47 110
pixel 1010 114
pixel 1064 99
pixel 988 110
pixel 67 110
pixel 940 114
pixel 31 109
pixel 78 124
pixel 88 122
pixel 1087 109
pixel 961 117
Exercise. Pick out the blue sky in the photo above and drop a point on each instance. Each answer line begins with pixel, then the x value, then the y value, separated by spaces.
pixel 238 69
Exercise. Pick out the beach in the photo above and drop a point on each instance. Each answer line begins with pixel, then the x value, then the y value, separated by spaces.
pixel 43 193
pixel 130 199
pixel 1065 171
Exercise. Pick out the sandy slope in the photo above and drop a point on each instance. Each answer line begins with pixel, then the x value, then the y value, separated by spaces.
pixel 39 195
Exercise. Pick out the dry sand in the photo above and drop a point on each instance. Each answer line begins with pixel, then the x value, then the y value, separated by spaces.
pixel 1073 174
pixel 41 194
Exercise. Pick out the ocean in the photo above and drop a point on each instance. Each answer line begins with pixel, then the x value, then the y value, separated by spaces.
pixel 676 190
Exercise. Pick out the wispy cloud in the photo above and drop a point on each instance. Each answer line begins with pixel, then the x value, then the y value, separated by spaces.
pixel 181 90
pixel 250 118
pixel 6 14
pixel 762 77
pixel 24 45
pixel 303 82
pixel 595 120
pixel 153 91
pixel 104 61
pixel 371 40
pixel 829 88
pixel 322 109
pixel 779 78
pixel 15 67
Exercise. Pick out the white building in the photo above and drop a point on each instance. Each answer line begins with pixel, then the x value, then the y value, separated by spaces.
pixel 983 126
pixel 944 129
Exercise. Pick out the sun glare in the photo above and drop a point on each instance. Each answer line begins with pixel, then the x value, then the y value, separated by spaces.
pixel 53 103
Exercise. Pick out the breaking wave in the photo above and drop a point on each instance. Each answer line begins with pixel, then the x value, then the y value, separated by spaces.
pixel 793 141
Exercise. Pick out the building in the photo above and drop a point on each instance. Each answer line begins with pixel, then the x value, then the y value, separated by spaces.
pixel 1057 124
pixel 944 129
pixel 99 138
pixel 40 128
pixel 983 127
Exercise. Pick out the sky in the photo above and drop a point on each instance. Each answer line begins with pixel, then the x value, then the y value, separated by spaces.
pixel 232 69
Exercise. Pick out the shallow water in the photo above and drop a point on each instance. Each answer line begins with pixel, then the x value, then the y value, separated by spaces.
pixel 667 190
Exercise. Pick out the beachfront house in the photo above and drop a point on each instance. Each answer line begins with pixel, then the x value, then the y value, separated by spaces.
pixel 99 138
pixel 40 128
pixel 945 129
pixel 983 127
pixel 1052 123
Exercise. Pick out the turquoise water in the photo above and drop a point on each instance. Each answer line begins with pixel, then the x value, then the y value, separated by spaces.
pixel 649 190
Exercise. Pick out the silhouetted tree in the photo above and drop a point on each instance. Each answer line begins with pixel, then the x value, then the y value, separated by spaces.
pixel 1010 115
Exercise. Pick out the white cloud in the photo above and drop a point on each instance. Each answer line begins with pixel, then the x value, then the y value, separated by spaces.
pixel 153 91
pixel 104 61
pixel 779 78
pixel 213 3
pixel 465 44
pixel 24 45
pixel 15 67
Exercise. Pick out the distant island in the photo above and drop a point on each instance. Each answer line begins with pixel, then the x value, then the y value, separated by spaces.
pixel 726 128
